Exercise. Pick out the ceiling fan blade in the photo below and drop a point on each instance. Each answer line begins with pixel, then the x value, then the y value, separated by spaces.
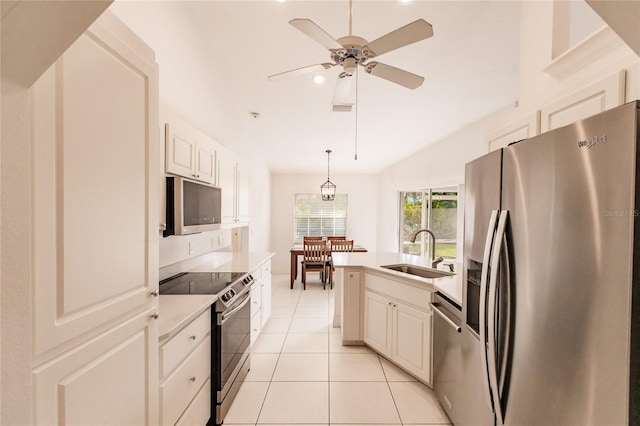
pixel 300 71
pixel 344 94
pixel 308 27
pixel 410 33
pixel 395 75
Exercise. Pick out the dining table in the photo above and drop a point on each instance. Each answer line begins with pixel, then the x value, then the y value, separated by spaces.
pixel 298 250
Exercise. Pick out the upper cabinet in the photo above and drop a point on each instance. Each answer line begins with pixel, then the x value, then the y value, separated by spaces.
pixel 189 153
pixel 235 180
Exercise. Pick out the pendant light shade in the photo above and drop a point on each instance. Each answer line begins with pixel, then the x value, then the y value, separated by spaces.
pixel 328 189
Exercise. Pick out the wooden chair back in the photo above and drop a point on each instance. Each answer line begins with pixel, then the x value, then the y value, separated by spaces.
pixel 312 238
pixel 341 245
pixel 315 253
pixel 336 237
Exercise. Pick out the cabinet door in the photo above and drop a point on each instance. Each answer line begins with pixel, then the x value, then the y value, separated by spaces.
pixel 227 182
pixel 377 322
pixel 243 186
pixel 205 161
pixel 180 143
pixel 95 179
pixel 598 97
pixel 513 132
pixel 107 381
pixel 412 340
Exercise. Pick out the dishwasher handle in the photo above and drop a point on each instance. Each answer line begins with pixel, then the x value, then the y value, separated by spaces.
pixel 436 307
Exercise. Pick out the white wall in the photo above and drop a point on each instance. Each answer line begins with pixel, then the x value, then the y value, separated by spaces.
pixel 438 165
pixel 361 215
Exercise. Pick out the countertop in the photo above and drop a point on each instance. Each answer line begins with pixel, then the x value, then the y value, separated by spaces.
pixel 449 286
pixel 176 311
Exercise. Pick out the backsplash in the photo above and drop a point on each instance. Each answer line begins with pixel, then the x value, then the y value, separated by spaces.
pixel 178 248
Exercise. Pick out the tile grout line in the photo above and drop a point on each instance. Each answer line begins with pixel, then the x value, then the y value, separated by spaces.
pixel 390 390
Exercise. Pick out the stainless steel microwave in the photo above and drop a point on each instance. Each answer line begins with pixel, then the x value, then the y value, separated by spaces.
pixel 191 207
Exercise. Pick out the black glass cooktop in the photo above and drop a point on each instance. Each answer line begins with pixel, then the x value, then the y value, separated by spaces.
pixel 198 282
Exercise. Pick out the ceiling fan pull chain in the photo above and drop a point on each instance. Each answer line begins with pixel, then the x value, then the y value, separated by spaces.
pixel 350 15
pixel 356 141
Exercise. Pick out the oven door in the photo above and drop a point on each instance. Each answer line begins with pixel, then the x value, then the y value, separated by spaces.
pixel 232 340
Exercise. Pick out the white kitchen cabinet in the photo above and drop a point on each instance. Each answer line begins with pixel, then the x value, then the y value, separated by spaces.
pixel 235 181
pixel 256 317
pixel 524 128
pixel 377 322
pixel 411 340
pixel 591 100
pixel 95 245
pixel 188 153
pixel 105 381
pixel 265 282
pixel 398 324
pixel 185 368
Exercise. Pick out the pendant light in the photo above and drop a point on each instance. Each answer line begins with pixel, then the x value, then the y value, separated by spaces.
pixel 328 189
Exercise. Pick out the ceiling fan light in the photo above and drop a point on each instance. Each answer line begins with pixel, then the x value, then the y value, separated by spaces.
pixel 318 79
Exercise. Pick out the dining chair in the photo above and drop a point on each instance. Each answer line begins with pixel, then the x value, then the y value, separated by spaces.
pixel 337 246
pixel 312 238
pixel 314 259
pixel 336 237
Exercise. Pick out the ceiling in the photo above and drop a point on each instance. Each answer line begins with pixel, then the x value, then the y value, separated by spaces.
pixel 214 57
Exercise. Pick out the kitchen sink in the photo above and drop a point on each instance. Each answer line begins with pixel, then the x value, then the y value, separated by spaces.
pixel 418 270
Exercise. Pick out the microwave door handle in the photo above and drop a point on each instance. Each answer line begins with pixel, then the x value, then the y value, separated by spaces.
pixel 483 307
pixel 492 314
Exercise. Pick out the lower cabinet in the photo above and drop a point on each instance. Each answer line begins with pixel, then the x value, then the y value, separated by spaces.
pixel 260 299
pixel 396 330
pixel 185 371
pixel 110 379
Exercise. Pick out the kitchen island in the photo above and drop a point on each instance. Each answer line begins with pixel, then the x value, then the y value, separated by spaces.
pixel 388 310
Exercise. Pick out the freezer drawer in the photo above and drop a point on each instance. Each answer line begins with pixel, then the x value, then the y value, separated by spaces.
pixel 447 354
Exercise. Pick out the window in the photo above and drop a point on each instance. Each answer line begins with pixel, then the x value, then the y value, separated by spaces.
pixel 316 217
pixel 434 209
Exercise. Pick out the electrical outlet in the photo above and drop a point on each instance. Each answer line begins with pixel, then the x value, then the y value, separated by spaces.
pixel 192 249
pixel 213 242
pixel 220 239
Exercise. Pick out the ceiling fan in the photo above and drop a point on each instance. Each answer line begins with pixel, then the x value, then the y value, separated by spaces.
pixel 350 51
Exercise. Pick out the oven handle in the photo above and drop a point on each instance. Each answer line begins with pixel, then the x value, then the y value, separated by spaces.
pixel 225 316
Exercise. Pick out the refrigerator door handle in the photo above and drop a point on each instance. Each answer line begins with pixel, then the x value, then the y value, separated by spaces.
pixel 483 307
pixel 492 356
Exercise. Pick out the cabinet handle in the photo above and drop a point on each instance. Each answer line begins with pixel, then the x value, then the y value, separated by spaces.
pixel 192 379
pixel 154 293
pixel 389 303
pixel 192 337
pixel 197 176
pixel 155 315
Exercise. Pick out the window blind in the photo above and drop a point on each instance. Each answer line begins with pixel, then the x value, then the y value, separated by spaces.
pixel 316 217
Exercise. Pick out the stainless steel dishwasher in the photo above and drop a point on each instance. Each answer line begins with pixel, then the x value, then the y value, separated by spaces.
pixel 447 353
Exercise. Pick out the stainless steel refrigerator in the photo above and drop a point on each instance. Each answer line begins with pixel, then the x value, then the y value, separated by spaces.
pixel 551 301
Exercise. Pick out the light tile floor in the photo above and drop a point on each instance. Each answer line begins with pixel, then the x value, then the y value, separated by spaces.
pixel 301 374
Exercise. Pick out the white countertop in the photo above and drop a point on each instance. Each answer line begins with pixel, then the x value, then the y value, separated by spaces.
pixel 176 311
pixel 449 286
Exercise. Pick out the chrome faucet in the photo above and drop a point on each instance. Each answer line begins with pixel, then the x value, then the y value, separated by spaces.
pixel 434 261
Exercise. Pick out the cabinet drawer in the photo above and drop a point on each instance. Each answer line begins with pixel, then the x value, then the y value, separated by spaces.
pixel 256 299
pixel 411 295
pixel 199 411
pixel 180 388
pixel 256 327
pixel 265 270
pixel 176 350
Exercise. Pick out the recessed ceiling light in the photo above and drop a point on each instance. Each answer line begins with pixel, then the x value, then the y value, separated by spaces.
pixel 281 1
pixel 318 79
pixel 401 1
